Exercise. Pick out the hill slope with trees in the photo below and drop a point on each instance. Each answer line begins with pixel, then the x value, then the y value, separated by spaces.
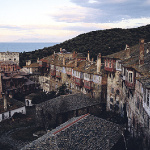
pixel 101 41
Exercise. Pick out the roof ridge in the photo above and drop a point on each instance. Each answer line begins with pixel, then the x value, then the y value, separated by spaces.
pixel 70 124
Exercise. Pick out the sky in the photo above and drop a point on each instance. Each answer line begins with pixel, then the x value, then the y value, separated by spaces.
pixel 60 20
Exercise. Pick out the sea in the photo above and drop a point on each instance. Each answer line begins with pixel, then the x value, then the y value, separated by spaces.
pixel 23 47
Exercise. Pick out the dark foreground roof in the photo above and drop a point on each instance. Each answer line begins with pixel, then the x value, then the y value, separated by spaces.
pixel 85 132
pixel 67 103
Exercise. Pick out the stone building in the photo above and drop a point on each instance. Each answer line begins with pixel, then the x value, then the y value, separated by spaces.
pixel 9 106
pixel 62 108
pixel 14 82
pixel 9 66
pixel 10 56
pixel 130 85
pixel 79 74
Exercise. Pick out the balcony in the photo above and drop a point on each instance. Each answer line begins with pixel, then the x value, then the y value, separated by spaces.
pixel 78 81
pixel 69 73
pixel 130 85
pixel 110 69
pixel 53 72
pixel 88 85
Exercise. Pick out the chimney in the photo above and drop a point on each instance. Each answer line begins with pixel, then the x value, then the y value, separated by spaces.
pixel 28 62
pixel 141 55
pixel 64 63
pixel 11 94
pixel 5 102
pixel 127 49
pixel 60 49
pixel 76 62
pixel 38 60
pixel 88 56
pixel 74 54
pixel 92 60
pixel 99 63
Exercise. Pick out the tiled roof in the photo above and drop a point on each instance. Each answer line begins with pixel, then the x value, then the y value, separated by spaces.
pixel 70 102
pixel 80 66
pixel 84 132
pixel 70 63
pixel 122 54
pixel 30 96
pixel 33 65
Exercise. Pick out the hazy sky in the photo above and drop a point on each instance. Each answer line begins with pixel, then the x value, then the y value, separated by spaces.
pixel 59 20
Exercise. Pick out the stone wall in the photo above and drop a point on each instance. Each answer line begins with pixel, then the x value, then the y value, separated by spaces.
pixel 62 108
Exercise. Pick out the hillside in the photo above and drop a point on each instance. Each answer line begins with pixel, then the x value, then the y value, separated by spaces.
pixel 101 41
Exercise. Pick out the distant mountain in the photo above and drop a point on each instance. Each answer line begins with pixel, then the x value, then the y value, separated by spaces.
pixel 101 41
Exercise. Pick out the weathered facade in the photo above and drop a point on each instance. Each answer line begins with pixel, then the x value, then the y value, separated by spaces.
pixel 10 56
pixel 8 66
pixel 130 86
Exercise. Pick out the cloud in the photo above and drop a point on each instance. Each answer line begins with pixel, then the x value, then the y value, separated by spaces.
pixel 76 14
pixel 10 27
pixel 124 23
pixel 147 2
pixel 115 10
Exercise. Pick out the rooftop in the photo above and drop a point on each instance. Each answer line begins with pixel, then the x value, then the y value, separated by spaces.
pixel 33 65
pixel 84 132
pixel 67 103
pixel 12 104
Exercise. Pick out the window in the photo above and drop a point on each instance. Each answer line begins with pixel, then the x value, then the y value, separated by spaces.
pixel 111 107
pixel 111 99
pixel 99 79
pixel 118 65
pixel 117 102
pixel 117 92
pixel 112 90
pixel 148 96
pixel 130 77
pixel 138 102
pixel 106 62
pixel 2 116
pixel 110 63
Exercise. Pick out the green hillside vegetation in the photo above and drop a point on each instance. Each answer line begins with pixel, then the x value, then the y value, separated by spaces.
pixel 101 41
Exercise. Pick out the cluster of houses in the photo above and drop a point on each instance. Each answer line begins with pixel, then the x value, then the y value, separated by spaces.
pixel 12 81
pixel 80 74
pixel 128 86
pixel 120 81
